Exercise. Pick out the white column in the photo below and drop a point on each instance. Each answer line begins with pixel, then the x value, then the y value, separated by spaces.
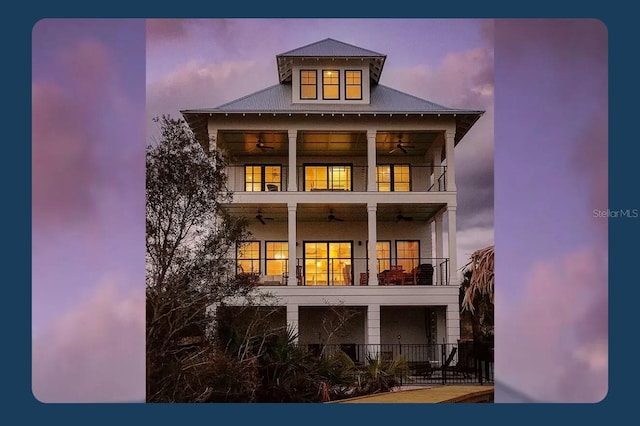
pixel 293 140
pixel 436 162
pixel 451 169
pixel 373 329
pixel 439 249
pixel 373 238
pixel 451 221
pixel 292 320
pixel 453 323
pixel 291 223
pixel 371 160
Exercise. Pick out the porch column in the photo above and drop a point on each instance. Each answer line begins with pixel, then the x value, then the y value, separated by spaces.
pixel 453 272
pixel 453 323
pixel 373 238
pixel 436 163
pixel 292 320
pixel 373 330
pixel 371 160
pixel 451 170
pixel 293 183
pixel 440 276
pixel 291 223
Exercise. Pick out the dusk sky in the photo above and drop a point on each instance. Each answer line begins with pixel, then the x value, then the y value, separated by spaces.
pixel 89 129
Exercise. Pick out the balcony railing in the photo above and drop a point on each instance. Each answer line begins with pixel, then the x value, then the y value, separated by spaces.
pixel 420 179
pixel 354 272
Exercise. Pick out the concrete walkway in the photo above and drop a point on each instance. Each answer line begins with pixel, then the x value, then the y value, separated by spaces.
pixel 432 395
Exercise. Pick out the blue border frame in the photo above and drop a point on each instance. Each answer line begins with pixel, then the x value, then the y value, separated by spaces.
pixel 17 398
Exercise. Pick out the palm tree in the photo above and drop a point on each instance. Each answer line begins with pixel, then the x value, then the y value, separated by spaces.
pixel 478 299
pixel 482 277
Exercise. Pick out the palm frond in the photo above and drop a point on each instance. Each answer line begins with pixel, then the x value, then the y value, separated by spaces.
pixel 482 276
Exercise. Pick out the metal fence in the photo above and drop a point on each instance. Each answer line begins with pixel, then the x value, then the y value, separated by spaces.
pixel 438 363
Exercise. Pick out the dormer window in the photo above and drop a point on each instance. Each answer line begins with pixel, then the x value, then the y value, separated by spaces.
pixel 308 84
pixel 353 88
pixel 330 84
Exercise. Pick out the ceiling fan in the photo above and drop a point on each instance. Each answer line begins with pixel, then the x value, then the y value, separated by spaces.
pixel 401 147
pixel 332 217
pixel 262 219
pixel 262 146
pixel 401 217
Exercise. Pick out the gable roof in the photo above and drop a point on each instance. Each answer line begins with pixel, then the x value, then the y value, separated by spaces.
pixel 329 48
pixel 384 100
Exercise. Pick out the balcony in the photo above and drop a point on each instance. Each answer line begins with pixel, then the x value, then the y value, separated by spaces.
pixel 353 272
pixel 336 178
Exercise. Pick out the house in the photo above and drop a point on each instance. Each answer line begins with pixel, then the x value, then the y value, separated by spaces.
pixel 350 188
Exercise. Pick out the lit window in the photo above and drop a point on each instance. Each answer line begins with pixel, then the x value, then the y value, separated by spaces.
pixel 262 178
pixel 248 256
pixel 408 254
pixel 308 84
pixel 383 254
pixel 327 178
pixel 330 84
pixel 393 177
pixel 353 88
pixel 277 257
pixel 328 263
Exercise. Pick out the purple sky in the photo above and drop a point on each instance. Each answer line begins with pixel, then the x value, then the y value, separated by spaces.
pixel 551 173
pixel 88 210
pixel 88 177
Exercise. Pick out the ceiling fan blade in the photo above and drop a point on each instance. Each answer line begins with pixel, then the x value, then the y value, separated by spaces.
pixel 402 149
pixel 261 219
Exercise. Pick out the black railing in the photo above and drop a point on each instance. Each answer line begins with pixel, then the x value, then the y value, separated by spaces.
pixel 351 272
pixel 355 271
pixel 437 363
pixel 421 178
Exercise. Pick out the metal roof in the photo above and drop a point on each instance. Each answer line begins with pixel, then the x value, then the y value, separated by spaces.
pixel 384 100
pixel 330 48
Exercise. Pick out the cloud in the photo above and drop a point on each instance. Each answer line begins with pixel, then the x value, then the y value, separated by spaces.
pixel 158 30
pixel 95 352
pixel 64 167
pixel 64 124
pixel 546 344
pixel 204 85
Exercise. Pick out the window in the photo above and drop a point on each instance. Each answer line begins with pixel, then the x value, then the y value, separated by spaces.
pixel 383 255
pixel 308 84
pixel 393 177
pixel 277 257
pixel 262 178
pixel 408 254
pixel 248 256
pixel 328 263
pixel 327 178
pixel 353 88
pixel 330 84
